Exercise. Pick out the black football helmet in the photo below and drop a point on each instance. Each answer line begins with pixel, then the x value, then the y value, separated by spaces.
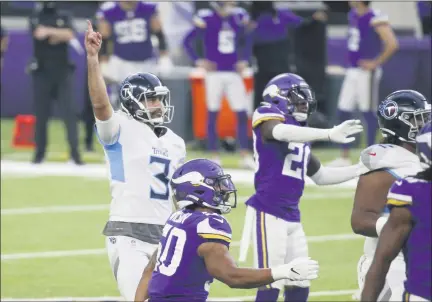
pixel 402 114
pixel 146 99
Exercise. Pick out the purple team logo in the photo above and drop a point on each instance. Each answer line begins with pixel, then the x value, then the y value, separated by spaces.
pixel 389 110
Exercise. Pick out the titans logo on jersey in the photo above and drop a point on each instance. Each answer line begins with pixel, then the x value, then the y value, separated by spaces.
pixel 130 29
pixel 180 274
pixel 415 194
pixel 281 171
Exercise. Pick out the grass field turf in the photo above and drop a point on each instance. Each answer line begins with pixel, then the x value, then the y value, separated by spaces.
pixel 90 275
pixel 325 211
pixel 57 149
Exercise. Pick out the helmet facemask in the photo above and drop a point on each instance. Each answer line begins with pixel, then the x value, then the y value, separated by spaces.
pixel 146 111
pixel 224 190
pixel 217 193
pixel 415 120
pixel 300 102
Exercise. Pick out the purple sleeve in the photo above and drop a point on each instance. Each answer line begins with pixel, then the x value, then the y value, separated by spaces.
pixel 246 49
pixel 189 40
pixel 289 18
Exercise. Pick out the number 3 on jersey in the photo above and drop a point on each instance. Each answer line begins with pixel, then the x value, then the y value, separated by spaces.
pixel 160 190
pixel 168 258
pixel 296 161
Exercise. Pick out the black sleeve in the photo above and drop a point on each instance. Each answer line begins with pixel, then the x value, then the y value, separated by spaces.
pixel 313 166
pixel 33 22
pixel 2 32
pixel 67 18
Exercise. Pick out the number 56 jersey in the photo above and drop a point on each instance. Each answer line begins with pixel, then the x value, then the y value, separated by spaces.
pixel 281 168
pixel 180 273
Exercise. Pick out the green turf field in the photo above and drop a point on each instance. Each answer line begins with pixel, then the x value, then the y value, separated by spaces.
pixel 324 211
pixel 52 246
pixel 58 148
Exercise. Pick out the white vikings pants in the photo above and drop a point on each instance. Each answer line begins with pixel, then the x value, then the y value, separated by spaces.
pixel 128 258
pixel 231 84
pixel 394 286
pixel 360 89
pixel 117 69
pixel 276 242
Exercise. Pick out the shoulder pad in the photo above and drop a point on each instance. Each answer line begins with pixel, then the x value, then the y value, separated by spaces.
pixel 266 112
pixel 107 5
pixel 199 20
pixel 387 156
pixel 378 17
pixel 240 11
pixel 215 227
pixel 401 192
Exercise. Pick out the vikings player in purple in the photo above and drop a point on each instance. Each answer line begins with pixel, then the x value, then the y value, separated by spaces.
pixel 408 229
pixel 371 42
pixel 194 247
pixel 226 54
pixel 284 159
pixel 129 25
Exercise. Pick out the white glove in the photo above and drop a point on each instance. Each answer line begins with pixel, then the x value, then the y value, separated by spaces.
pixel 165 65
pixel 340 133
pixel 298 269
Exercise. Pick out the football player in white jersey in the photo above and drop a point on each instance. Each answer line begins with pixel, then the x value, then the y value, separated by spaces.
pixel 400 115
pixel 141 155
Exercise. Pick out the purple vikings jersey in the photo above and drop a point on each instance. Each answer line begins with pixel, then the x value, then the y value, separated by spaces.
pixel 180 274
pixel 131 33
pixel 363 41
pixel 221 38
pixel 416 194
pixel 281 169
pixel 271 29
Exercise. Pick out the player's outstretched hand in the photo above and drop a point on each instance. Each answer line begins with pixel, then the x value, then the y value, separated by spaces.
pixel 93 40
pixel 299 269
pixel 340 133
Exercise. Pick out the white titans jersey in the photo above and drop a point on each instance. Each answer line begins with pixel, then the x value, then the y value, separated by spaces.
pixel 403 163
pixel 140 168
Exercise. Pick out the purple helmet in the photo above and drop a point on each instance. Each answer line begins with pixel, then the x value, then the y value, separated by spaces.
pixel 204 183
pixel 291 94
pixel 424 144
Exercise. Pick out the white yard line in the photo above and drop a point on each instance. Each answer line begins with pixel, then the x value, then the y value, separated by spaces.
pixel 71 253
pixel 105 207
pixel 9 167
pixel 233 299
pixel 55 209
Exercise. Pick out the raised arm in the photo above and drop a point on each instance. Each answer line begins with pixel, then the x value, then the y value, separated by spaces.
pixel 108 127
pixel 97 89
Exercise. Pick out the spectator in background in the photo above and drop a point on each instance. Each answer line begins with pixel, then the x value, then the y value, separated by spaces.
pixel 222 31
pixel 3 44
pixel 176 18
pixel 130 25
pixel 271 44
pixel 368 30
pixel 52 75
pixel 424 10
